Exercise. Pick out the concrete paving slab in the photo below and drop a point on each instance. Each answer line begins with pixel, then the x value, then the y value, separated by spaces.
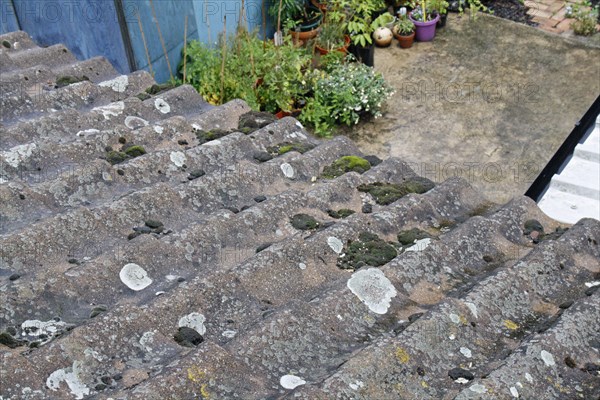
pixel 489 100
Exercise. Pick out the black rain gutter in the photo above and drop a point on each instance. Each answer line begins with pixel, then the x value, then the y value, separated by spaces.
pixel 582 128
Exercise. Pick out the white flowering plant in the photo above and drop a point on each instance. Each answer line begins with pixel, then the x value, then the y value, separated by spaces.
pixel 345 93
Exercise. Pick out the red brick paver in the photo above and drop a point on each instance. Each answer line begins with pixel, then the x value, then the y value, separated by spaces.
pixel 550 15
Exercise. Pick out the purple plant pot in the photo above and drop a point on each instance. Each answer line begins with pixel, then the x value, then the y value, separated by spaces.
pixel 425 31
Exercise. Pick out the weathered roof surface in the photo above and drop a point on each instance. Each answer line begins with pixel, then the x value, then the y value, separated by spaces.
pixel 189 267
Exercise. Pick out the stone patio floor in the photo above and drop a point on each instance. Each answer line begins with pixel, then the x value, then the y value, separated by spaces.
pixel 489 100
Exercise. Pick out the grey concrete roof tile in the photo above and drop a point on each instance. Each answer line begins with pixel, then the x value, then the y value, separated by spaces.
pixel 179 273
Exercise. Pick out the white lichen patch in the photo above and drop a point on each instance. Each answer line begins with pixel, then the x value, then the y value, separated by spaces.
pixel 158 129
pixel 373 288
pixel 291 381
pixel 528 377
pixel 162 106
pixel 178 158
pixel 87 132
pixel 478 388
pixel 287 169
pixel 111 110
pixel 70 376
pixel 465 351
pixel 135 122
pixel 454 318
pixel 302 266
pixel 146 340
pixel 514 392
pixel 16 155
pixel 195 321
pixel 547 358
pixel 134 277
pixel 356 385
pixel 335 244
pixel 119 84
pixel 229 334
pixel 472 307
pixel 419 245
pixel 34 327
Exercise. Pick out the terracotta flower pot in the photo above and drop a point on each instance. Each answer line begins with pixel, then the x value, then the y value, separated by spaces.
pixel 343 49
pixel 405 41
pixel 308 30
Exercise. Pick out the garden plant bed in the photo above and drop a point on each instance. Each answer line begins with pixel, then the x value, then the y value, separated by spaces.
pixel 513 10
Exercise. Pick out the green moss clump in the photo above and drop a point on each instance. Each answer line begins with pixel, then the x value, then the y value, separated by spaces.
pixel 116 157
pixel 188 337
pixel 304 222
pixel 97 311
pixel 143 96
pixel 533 225
pixel 6 44
pixel 387 193
pixel 286 147
pixel 158 88
pixel 135 151
pixel 254 120
pixel 342 213
pixel 369 250
pixel 69 80
pixel 9 341
pixel 346 164
pixel 408 238
pixel 207 136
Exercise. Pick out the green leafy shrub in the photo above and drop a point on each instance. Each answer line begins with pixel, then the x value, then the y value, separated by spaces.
pixel 585 18
pixel 344 95
pixel 267 77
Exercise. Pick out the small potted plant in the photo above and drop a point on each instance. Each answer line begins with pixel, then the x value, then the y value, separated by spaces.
pixel 298 18
pixel 359 24
pixel 425 22
pixel 441 8
pixel 331 37
pixel 404 32
pixel 385 20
